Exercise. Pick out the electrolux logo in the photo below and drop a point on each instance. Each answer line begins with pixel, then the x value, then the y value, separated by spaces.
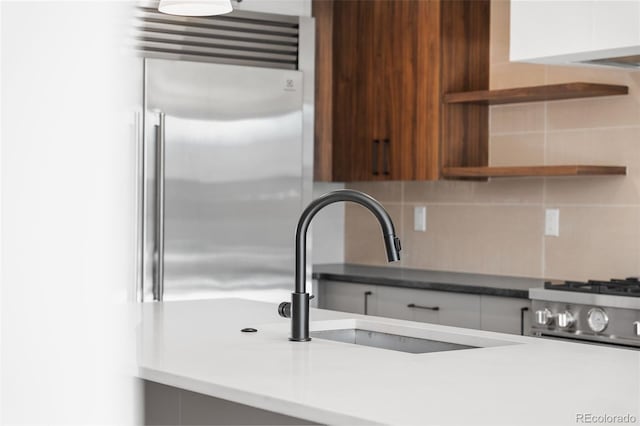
pixel 590 418
pixel 289 85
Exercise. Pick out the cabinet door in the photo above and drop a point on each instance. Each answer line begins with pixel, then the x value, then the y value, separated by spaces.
pixel 504 314
pixel 439 307
pixel 392 62
pixel 355 152
pixel 379 47
pixel 397 87
pixel 347 297
pixel 376 126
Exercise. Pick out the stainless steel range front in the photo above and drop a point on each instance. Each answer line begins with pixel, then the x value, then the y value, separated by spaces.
pixel 605 312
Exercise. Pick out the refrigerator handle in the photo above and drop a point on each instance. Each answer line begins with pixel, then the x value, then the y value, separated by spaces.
pixel 158 283
pixel 142 200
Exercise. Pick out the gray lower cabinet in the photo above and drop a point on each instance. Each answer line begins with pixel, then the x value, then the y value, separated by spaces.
pixel 347 297
pixel 438 307
pixel 491 313
pixel 168 405
pixel 504 314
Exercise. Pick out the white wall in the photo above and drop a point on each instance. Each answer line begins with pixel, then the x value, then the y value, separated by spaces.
pixel 285 7
pixel 68 213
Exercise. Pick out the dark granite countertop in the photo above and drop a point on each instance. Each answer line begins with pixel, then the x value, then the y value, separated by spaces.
pixel 458 282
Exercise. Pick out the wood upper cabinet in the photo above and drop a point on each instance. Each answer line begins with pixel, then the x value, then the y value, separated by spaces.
pixel 382 67
pixel 354 51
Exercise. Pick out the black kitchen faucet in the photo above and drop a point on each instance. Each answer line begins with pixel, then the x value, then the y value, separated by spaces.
pixel 298 308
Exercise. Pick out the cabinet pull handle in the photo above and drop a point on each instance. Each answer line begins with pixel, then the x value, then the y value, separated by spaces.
pixel 385 157
pixel 374 157
pixel 366 302
pixel 522 311
pixel 429 308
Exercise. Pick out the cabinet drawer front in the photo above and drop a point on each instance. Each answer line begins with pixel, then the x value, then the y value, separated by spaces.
pixel 347 297
pixel 455 309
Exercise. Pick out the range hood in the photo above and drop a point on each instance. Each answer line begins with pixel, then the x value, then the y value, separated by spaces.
pixel 632 61
pixel 595 32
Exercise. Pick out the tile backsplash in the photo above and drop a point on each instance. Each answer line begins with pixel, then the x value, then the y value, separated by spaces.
pixel 497 227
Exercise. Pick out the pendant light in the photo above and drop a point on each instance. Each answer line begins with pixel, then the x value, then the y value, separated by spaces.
pixel 195 7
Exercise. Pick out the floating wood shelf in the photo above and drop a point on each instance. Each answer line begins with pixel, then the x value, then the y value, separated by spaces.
pixel 531 171
pixel 551 92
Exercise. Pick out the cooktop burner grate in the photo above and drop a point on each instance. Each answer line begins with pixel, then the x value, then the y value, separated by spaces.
pixel 618 287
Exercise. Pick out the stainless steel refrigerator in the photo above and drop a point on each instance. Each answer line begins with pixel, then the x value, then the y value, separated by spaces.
pixel 223 172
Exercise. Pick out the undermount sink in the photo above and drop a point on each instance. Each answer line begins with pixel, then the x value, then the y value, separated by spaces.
pixel 393 342
pixel 402 338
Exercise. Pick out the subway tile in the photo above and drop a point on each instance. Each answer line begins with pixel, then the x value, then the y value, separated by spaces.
pixel 498 191
pixel 363 239
pixel 517 118
pixel 439 191
pixel 619 146
pixel 593 190
pixel 634 81
pixel 613 146
pixel 509 75
pixel 501 240
pixel 499 32
pixel 381 191
pixel 517 149
pixel 509 191
pixel 594 243
pixel 610 111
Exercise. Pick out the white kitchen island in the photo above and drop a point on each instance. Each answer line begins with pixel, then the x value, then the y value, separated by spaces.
pixel 198 346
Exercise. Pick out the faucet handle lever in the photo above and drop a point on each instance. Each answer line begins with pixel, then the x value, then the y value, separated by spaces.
pixel 284 309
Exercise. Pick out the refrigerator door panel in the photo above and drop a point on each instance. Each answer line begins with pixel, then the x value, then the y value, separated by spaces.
pixel 233 178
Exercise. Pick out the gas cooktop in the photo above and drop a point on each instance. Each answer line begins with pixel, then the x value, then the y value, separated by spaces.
pixel 616 287
pixel 604 312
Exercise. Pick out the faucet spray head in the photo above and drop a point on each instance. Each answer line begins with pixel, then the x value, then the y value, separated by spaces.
pixel 392 244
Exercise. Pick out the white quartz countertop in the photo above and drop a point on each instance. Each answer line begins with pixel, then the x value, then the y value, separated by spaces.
pixel 198 346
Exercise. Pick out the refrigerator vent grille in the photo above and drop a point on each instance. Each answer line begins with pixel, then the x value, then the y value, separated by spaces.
pixel 241 38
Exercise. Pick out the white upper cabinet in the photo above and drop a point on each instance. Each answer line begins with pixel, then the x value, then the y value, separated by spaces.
pixel 560 32
pixel 283 7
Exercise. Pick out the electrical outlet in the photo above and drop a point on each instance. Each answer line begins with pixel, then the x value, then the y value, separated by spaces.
pixel 552 222
pixel 420 218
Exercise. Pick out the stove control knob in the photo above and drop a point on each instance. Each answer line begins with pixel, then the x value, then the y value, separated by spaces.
pixel 636 327
pixel 566 319
pixel 544 316
pixel 597 319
